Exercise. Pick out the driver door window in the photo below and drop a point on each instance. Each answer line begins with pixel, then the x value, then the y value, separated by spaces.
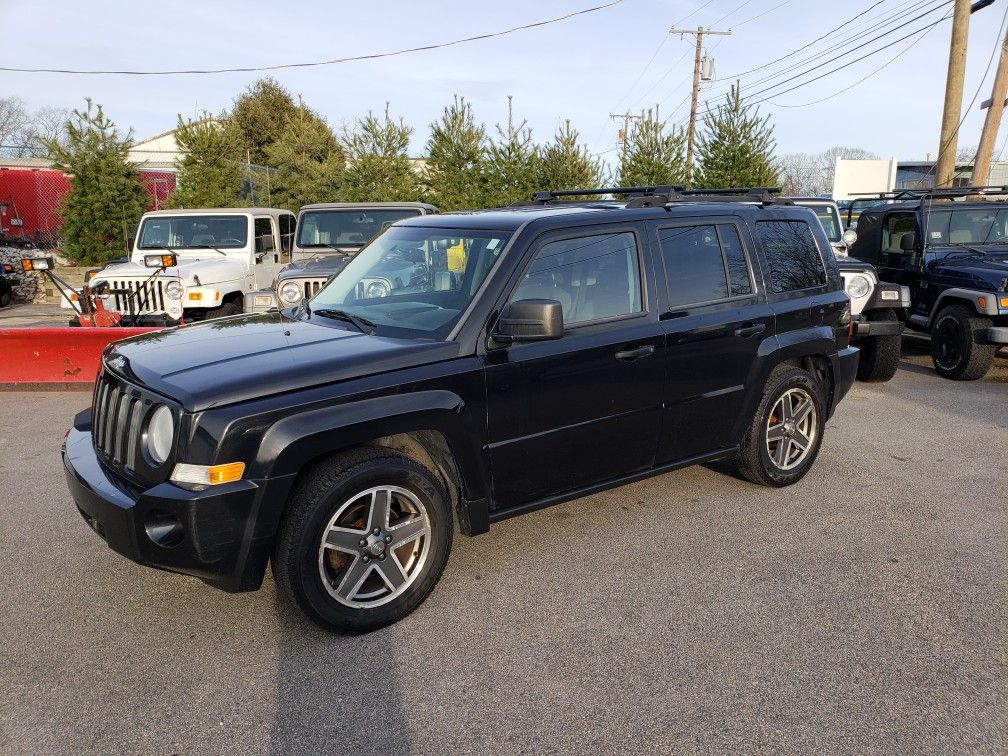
pixel 592 277
pixel 897 226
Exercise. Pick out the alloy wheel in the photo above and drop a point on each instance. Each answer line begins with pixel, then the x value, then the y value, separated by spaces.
pixel 791 429
pixel 374 547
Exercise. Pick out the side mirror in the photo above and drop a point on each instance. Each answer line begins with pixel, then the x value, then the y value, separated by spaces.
pixel 530 320
pixel 130 241
pixel 849 237
pixel 908 242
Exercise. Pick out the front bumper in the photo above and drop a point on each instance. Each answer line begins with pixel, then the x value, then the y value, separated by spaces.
pixel 865 327
pixel 845 367
pixel 222 535
pixel 997 335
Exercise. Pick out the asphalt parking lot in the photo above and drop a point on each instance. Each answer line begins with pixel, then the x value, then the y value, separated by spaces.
pixel 863 610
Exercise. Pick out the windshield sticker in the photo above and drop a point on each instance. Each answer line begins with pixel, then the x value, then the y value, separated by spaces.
pixel 492 244
pixel 936 234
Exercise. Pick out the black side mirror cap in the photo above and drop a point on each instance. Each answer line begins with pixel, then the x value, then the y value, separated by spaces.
pixel 530 320
pixel 908 243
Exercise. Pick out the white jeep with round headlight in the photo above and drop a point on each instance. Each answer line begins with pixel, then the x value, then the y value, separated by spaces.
pixel 878 310
pixel 188 265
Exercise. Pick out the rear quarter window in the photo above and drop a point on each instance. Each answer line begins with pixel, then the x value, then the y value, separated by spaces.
pixel 793 260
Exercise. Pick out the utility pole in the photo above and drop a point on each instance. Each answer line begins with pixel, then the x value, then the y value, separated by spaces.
pixel 992 121
pixel 624 133
pixel 945 169
pixel 699 32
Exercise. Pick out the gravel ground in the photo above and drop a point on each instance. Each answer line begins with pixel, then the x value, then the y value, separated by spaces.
pixel 862 610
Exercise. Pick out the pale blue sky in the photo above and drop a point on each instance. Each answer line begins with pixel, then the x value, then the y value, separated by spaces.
pixel 581 69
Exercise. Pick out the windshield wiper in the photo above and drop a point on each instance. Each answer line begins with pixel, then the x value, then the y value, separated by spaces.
pixel 362 324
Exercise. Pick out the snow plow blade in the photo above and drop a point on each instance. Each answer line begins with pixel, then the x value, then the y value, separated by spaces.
pixel 55 358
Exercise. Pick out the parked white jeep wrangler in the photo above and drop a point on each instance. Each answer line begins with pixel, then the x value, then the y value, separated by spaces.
pixel 221 254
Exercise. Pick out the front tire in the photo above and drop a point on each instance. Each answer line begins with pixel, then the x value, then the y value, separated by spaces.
pixel 957 347
pixel 880 355
pixel 785 434
pixel 5 298
pixel 364 540
pixel 224 310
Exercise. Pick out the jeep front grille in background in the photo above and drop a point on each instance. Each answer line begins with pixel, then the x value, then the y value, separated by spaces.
pixel 117 421
pixel 311 288
pixel 138 296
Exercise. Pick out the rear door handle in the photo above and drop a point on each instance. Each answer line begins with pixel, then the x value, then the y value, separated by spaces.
pixel 629 355
pixel 750 330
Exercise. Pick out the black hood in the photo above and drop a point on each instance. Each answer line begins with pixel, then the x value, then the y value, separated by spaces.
pixel 982 266
pixel 245 357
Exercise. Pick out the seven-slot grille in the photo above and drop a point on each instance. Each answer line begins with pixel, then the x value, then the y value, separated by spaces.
pixel 138 296
pixel 117 421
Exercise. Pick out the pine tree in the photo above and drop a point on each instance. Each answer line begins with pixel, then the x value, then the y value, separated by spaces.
pixel 306 162
pixel 106 196
pixel 211 167
pixel 456 159
pixel 260 115
pixel 566 164
pixel 655 153
pixel 512 167
pixel 735 148
pixel 378 164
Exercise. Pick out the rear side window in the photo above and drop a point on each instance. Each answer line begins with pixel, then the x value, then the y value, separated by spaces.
pixel 592 277
pixel 703 263
pixel 792 256
pixel 286 232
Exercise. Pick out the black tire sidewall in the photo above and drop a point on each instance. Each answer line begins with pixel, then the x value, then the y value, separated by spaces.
pixel 963 335
pixel 316 600
pixel 792 379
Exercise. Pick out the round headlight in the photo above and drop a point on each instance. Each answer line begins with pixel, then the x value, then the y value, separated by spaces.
pixel 377 289
pixel 290 293
pixel 849 237
pixel 173 290
pixel 160 434
pixel 858 286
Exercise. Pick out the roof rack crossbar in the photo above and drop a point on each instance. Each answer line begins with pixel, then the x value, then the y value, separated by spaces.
pixel 645 191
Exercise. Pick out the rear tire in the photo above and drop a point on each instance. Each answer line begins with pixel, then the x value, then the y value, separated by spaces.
pixel 880 355
pixel 330 562
pixel 5 298
pixel 957 344
pixel 785 435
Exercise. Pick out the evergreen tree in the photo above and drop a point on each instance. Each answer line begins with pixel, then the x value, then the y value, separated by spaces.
pixel 655 153
pixel 260 115
pixel 456 159
pixel 106 196
pixel 566 164
pixel 211 167
pixel 378 166
pixel 512 168
pixel 735 148
pixel 308 162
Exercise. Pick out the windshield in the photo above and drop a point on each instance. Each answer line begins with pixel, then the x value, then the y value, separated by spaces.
pixel 968 226
pixel 830 219
pixel 193 232
pixel 345 228
pixel 414 282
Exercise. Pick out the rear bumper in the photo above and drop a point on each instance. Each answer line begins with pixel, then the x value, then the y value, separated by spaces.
pixel 845 371
pixel 223 535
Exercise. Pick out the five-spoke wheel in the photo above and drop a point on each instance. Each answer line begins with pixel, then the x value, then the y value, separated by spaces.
pixel 791 428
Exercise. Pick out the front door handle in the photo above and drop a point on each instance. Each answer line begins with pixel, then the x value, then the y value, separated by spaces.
pixel 629 355
pixel 750 330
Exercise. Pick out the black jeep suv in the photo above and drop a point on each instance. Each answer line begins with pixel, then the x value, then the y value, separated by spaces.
pixel 950 247
pixel 579 345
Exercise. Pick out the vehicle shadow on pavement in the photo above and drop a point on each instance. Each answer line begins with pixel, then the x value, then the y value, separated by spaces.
pixel 335 694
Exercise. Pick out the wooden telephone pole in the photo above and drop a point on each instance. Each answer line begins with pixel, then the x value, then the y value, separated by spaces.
pixel 699 32
pixel 945 168
pixel 992 121
pixel 624 133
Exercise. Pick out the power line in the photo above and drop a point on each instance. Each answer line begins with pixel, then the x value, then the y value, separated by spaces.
pixel 334 61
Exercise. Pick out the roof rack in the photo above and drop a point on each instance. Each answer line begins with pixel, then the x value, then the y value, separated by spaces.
pixel 641 196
